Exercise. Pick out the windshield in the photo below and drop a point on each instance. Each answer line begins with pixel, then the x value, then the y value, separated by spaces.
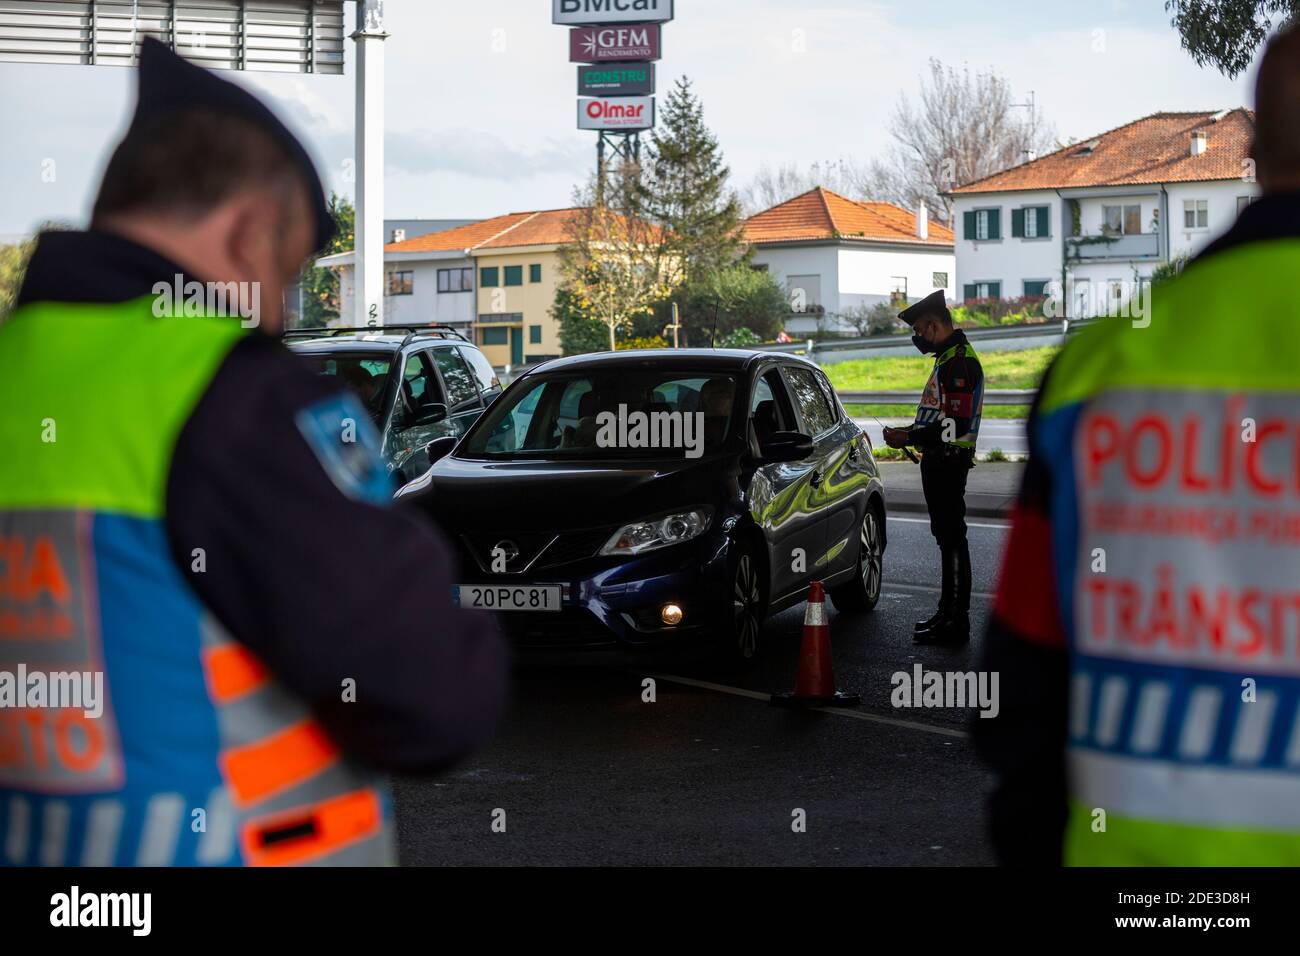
pixel 608 414
pixel 363 373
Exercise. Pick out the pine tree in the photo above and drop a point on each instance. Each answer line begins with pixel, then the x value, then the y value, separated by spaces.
pixel 685 190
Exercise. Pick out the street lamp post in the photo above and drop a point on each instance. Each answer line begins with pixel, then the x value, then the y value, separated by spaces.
pixel 368 300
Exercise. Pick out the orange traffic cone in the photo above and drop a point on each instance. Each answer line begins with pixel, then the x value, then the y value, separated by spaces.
pixel 815 684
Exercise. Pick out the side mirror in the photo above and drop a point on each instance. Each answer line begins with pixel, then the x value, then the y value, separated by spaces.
pixel 785 446
pixel 440 448
pixel 431 414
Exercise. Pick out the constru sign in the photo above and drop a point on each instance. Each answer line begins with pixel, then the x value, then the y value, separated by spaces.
pixel 616 79
pixel 638 41
pixel 591 12
pixel 628 113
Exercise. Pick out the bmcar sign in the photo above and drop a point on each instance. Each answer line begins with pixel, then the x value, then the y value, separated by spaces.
pixel 616 79
pixel 627 114
pixel 583 13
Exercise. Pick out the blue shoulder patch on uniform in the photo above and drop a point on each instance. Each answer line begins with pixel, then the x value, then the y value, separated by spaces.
pixel 345 441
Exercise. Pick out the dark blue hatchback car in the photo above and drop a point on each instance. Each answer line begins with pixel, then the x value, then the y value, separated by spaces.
pixel 642 498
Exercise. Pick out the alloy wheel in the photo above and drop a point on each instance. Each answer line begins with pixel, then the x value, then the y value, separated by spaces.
pixel 745 603
pixel 870 556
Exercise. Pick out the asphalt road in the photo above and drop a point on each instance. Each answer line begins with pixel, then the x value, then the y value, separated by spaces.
pixel 588 773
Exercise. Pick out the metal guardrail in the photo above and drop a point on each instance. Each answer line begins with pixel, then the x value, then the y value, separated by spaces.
pixel 993 396
pixel 991 333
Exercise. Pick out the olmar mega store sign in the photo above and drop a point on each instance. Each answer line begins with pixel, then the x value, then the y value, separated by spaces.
pixel 628 113
pixel 604 44
pixel 574 13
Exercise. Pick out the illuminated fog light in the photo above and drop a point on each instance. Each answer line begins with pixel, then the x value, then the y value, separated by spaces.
pixel 671 614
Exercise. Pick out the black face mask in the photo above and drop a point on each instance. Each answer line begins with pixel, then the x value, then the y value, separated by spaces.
pixel 922 346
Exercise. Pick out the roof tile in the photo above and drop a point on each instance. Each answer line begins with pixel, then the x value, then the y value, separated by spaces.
pixel 822 214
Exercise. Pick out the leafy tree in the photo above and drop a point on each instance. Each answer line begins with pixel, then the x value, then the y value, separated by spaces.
pixel 320 286
pixel 1226 34
pixel 737 297
pixel 614 263
pixel 13 265
pixel 580 333
pixel 876 319
pixel 685 190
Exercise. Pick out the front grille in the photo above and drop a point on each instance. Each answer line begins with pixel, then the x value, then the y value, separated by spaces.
pixel 480 544
pixel 575 546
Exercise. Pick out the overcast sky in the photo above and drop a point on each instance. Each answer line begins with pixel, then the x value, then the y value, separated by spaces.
pixel 480 93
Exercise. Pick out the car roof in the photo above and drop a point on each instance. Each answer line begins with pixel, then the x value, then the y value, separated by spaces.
pixel 719 359
pixel 368 342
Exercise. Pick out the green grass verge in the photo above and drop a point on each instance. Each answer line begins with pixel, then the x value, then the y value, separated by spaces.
pixel 1020 369
pixel 907 411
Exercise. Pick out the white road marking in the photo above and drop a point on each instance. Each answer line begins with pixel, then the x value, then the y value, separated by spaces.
pixel 839 711
pixel 970 524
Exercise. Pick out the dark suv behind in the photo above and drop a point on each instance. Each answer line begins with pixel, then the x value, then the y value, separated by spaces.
pixel 418 383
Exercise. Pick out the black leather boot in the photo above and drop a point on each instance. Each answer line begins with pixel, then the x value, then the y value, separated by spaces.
pixel 945 595
pixel 954 627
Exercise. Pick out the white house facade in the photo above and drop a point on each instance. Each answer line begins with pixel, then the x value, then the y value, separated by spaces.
pixel 836 256
pixel 1088 224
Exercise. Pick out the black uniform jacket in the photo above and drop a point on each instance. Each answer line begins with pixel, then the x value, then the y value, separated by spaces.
pixel 320 585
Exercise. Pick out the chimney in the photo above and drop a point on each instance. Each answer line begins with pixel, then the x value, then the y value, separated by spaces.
pixel 399 235
pixel 922 221
pixel 1199 144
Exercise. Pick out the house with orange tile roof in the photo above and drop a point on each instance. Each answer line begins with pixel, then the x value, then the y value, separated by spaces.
pixel 493 280
pixel 836 255
pixel 1089 223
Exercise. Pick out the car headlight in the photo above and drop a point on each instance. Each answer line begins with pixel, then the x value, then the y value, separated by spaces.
pixel 641 536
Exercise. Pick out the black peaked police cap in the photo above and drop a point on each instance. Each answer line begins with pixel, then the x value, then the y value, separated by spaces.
pixel 932 304
pixel 170 84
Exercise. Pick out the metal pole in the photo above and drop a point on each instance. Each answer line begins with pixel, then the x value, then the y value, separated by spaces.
pixel 368 300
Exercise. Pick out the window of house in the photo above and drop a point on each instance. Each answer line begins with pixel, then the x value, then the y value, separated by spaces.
pixel 1122 220
pixel 1196 213
pixel 1035 287
pixel 514 275
pixel 939 280
pixel 898 290
pixel 495 336
pixel 1243 202
pixel 488 277
pixel 805 292
pixel 401 283
pixel 987 223
pixel 535 272
pixel 982 290
pixel 456 280
pixel 534 335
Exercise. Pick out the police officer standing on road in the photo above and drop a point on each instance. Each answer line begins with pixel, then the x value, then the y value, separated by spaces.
pixel 945 431
pixel 207 525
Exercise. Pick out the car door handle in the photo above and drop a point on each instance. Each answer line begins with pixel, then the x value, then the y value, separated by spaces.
pixel 853 452
pixel 815 478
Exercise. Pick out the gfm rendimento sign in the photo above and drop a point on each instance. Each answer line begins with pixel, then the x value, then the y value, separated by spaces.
pixel 607 44
pixel 616 79
pixel 582 13
pixel 625 114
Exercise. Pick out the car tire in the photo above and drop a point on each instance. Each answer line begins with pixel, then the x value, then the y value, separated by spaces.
pixel 862 593
pixel 745 608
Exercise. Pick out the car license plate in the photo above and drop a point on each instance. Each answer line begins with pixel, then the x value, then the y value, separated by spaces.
pixel 506 597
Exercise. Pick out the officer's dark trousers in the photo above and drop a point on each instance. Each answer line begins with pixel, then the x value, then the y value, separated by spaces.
pixel 943 479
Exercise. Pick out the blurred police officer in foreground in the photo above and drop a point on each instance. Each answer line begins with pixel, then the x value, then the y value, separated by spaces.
pixel 946 428
pixel 1147 622
pixel 192 514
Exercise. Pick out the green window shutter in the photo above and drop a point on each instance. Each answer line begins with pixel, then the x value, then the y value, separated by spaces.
pixel 535 272
pixel 487 277
pixel 995 290
pixel 535 335
pixel 496 336
pixel 1035 288
pixel 1044 228
pixel 968 227
pixel 514 275
pixel 968 290
pixel 1018 223
pixel 995 223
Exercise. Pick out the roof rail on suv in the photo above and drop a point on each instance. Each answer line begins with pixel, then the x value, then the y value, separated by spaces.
pixel 412 331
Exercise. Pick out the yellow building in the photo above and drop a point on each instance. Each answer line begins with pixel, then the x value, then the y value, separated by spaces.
pixel 516 272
